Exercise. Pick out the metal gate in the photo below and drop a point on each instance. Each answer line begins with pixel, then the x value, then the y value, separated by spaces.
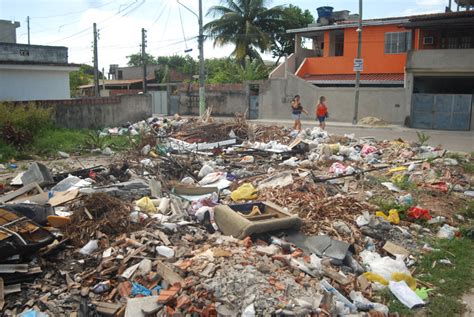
pixel 160 102
pixel 441 112
pixel 253 107
pixel 174 105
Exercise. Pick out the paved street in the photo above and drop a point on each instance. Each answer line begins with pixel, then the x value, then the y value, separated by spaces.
pixel 451 140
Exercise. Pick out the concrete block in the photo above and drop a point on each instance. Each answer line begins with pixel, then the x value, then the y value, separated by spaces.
pixel 38 173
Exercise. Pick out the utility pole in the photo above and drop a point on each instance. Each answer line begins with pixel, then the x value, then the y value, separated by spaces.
pixel 28 25
pixel 359 50
pixel 96 64
pixel 144 58
pixel 202 92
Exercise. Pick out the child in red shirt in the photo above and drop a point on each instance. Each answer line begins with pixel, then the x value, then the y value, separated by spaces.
pixel 322 112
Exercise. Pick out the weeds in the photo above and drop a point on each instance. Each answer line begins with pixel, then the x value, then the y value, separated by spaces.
pixel 19 124
pixel 422 137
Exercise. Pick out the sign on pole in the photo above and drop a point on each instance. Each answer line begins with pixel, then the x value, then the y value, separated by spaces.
pixel 358 64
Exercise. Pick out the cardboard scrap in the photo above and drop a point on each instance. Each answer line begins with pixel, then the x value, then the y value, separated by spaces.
pixel 394 249
pixel 60 198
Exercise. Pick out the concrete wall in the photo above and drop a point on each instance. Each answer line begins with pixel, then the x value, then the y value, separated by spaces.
pixel 29 82
pixel 94 113
pixel 442 60
pixel 10 52
pixel 136 72
pixel 289 65
pixel 8 31
pixel 276 94
pixel 225 99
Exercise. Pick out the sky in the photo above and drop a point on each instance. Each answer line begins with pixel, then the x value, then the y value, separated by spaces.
pixel 171 29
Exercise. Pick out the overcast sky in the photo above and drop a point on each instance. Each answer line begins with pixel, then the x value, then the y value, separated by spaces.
pixel 69 23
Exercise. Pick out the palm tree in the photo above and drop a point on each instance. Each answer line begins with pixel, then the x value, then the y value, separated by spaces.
pixel 246 23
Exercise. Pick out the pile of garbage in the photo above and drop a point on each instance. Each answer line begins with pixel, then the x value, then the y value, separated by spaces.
pixel 228 218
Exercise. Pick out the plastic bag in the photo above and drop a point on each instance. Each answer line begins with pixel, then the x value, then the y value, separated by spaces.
pixel 393 216
pixel 374 277
pixel 418 213
pixel 146 205
pixel 398 276
pixel 244 192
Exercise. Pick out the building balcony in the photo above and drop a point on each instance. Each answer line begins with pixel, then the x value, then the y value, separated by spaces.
pixel 441 61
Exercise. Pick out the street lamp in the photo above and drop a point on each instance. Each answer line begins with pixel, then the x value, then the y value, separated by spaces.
pixel 202 96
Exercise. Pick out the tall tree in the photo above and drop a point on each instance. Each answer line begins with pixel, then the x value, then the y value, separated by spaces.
pixel 248 24
pixel 294 18
pixel 136 59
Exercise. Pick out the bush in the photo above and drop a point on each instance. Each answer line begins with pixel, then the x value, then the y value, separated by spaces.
pixel 20 123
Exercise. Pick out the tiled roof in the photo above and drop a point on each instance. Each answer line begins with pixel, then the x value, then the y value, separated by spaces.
pixel 350 78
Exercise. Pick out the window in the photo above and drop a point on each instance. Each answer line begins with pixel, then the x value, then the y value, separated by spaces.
pixel 120 74
pixel 397 42
pixel 336 43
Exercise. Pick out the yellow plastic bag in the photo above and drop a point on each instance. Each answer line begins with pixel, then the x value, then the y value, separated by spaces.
pixel 393 216
pixel 374 277
pixel 399 276
pixel 397 169
pixel 244 192
pixel 146 205
pixel 398 178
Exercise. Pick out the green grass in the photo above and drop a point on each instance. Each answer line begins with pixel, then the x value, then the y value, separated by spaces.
pixel 51 140
pixel 458 279
pixel 8 152
pixel 468 166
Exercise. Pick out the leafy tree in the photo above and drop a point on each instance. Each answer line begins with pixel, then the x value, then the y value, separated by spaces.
pixel 284 43
pixel 83 76
pixel 228 70
pixel 136 59
pixel 245 23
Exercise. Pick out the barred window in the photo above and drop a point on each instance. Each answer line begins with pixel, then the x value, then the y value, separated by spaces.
pixel 397 42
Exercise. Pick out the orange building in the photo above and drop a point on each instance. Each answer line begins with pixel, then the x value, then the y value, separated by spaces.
pixel 418 70
pixel 325 54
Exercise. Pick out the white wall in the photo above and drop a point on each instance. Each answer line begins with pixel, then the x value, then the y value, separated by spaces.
pixel 34 84
pixel 388 104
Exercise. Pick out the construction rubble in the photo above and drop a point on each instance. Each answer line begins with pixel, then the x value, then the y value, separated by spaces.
pixel 227 218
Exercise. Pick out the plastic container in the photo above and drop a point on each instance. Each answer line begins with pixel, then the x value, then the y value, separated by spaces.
pixel 324 12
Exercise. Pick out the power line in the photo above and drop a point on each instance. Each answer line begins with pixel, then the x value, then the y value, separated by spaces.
pixel 71 13
pixel 108 19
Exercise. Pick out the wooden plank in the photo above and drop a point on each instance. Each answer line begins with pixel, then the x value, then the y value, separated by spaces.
pixel 12 268
pixel 2 295
pixel 21 191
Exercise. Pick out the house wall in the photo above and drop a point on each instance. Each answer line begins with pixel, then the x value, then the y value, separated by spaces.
pixel 136 72
pixel 437 60
pixel 23 82
pixel 375 59
pixel 8 31
pixel 225 99
pixel 385 103
pixel 94 113
pixel 10 52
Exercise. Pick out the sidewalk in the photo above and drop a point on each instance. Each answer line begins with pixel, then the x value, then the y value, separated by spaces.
pixel 451 140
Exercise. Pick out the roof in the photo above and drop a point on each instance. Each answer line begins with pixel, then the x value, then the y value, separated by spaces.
pixel 119 82
pixel 351 24
pixel 39 63
pixel 402 21
pixel 388 78
pixel 442 19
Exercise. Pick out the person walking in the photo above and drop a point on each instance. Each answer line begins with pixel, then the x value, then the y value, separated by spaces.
pixel 296 110
pixel 322 112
